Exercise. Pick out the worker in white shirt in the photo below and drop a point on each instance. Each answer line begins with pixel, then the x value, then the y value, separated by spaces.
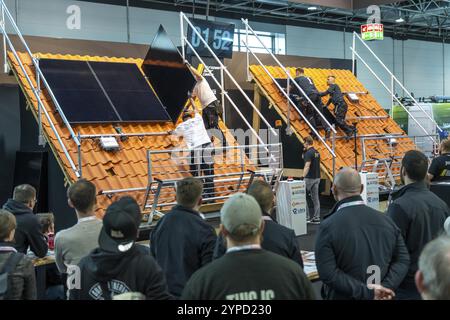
pixel 211 107
pixel 193 130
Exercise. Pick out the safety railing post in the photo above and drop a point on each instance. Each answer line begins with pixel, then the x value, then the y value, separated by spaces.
pixel 41 140
pixel 222 95
pixel 248 53
pixel 333 146
pixel 3 24
pixel 183 53
pixel 288 126
pixel 80 164
pixel 353 55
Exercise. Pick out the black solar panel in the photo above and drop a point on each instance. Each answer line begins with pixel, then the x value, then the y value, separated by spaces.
pixel 129 92
pixel 171 79
pixel 77 91
pixel 95 92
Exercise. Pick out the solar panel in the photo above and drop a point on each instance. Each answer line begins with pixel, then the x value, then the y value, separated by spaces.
pixel 129 92
pixel 98 92
pixel 77 91
pixel 171 79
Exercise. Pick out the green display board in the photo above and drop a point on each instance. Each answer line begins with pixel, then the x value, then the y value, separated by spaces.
pixel 441 112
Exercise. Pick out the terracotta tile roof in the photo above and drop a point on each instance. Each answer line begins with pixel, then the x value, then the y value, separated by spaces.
pixel 123 169
pixel 367 106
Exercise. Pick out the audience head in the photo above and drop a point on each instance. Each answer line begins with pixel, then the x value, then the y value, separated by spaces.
pixel 309 142
pixel 414 167
pixel 7 226
pixel 445 146
pixel 120 230
pixel 347 183
pixel 189 193
pixel 299 72
pixel 331 79
pixel 25 194
pixel 81 196
pixel 263 194
pixel 241 220
pixel 433 276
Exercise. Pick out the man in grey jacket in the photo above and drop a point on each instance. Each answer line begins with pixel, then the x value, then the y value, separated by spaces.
pixel 78 241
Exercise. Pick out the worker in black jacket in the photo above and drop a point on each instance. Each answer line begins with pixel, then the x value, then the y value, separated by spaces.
pixel 419 213
pixel 311 91
pixel 360 253
pixel 118 265
pixel 276 238
pixel 340 106
pixel 182 242
pixel 28 232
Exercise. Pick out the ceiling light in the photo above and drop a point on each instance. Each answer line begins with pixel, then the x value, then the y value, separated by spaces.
pixel 400 20
pixel 312 8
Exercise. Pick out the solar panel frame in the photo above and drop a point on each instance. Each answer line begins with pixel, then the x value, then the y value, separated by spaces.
pixel 117 92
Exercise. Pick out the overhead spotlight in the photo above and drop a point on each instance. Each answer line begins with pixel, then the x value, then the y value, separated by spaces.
pixel 400 20
pixel 312 8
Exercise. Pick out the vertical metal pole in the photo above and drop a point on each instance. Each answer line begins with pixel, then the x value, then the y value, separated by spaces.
pixel 333 145
pixel 182 35
pixel 222 94
pixel 128 21
pixel 41 141
pixel 355 150
pixel 392 97
pixel 5 64
pixel 353 53
pixel 288 127
pixel 79 157
pixel 248 53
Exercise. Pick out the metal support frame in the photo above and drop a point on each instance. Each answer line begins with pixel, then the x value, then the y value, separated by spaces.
pixel 183 18
pixel 159 196
pixel 7 42
pixel 249 28
pixel 391 93
pixel 3 25
pixel 292 102
pixel 394 78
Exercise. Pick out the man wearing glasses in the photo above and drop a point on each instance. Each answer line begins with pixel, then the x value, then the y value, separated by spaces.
pixel 28 232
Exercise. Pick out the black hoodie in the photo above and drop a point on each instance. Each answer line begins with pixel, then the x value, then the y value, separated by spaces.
pixel 131 271
pixel 28 231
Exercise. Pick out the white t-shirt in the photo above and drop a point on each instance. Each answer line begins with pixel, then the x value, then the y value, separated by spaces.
pixel 203 91
pixel 194 132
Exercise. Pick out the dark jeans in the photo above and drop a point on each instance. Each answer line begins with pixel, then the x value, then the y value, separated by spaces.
pixel 210 115
pixel 202 163
pixel 313 116
pixel 340 111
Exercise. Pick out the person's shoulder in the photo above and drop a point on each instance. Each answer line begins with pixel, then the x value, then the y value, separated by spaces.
pixel 277 261
pixel 288 232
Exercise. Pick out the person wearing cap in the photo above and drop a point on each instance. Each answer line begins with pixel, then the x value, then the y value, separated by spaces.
pixel 182 242
pixel 360 253
pixel 118 265
pixel 246 271
pixel 275 238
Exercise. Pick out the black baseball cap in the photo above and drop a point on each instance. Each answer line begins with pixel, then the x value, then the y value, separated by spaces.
pixel 120 230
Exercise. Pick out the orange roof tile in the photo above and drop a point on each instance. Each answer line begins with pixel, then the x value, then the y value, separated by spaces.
pixel 367 106
pixel 123 169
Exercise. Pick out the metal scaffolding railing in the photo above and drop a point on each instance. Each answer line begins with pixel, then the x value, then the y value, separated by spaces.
pixel 394 80
pixel 36 88
pixel 242 164
pixel 224 71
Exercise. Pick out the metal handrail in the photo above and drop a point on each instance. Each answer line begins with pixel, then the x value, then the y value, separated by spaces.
pixel 245 21
pixel 394 78
pixel 290 100
pixel 392 94
pixel 36 92
pixel 184 40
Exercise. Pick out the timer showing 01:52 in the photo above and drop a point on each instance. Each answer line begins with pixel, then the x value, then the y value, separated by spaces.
pixel 216 38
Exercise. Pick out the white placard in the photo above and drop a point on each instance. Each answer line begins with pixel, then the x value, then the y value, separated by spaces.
pixel 371 193
pixel 291 206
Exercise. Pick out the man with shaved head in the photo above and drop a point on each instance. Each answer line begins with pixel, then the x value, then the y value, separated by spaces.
pixel 360 253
